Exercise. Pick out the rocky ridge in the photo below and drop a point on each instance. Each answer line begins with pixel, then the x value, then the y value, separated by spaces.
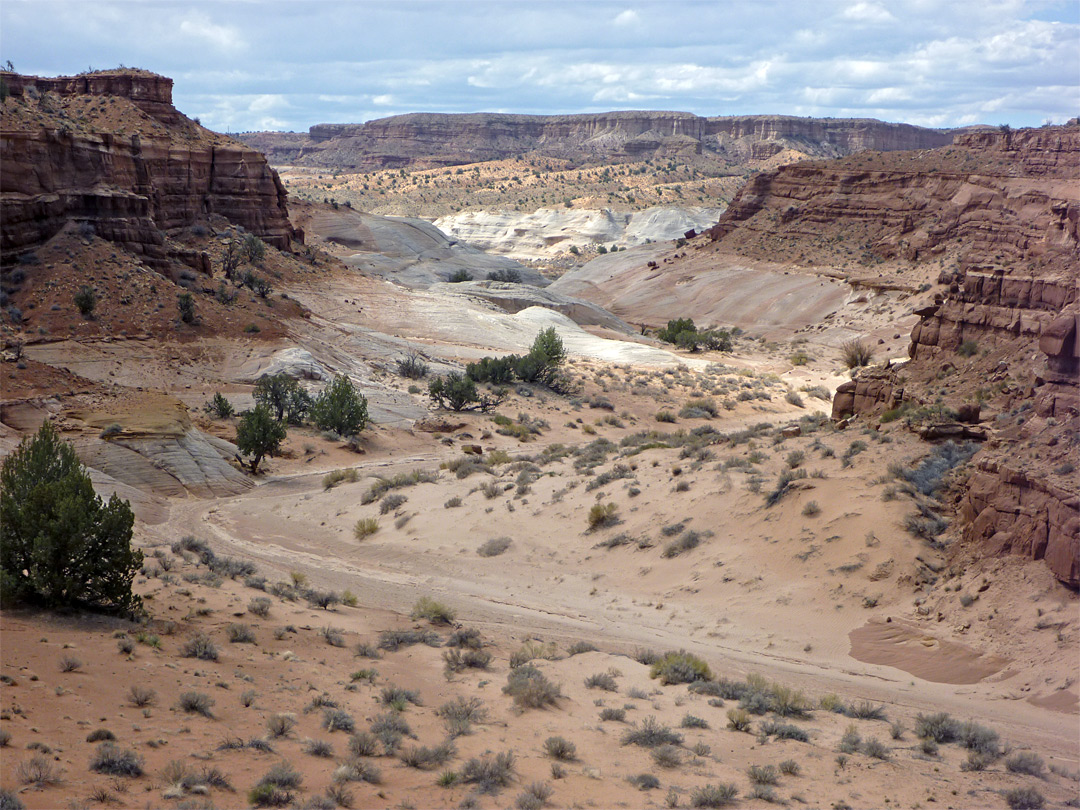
pixel 110 151
pixel 439 139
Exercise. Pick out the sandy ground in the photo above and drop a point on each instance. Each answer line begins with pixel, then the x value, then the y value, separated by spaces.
pixel 824 592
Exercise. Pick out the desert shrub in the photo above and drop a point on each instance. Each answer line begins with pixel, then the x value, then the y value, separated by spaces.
pixel 457 393
pixel 763 775
pixel 1025 762
pixel 70 663
pixel 790 767
pixel 534 796
pixel 324 600
pixel 338 720
pixel 85 300
pixel 452 503
pixel 531 650
pixel 665 416
pixel 259 606
pixel 560 748
pixel 412 366
pixel 687 541
pixel 811 509
pixel 927 477
pixel 424 757
pixel 392 640
pixel 434 612
pixel 39 770
pixel 280 725
pixel 461 713
pixel 601 515
pixel 365 527
pixel 465 637
pixel 667 756
pixel 784 731
pixel 579 647
pixel 793 398
pixel 141 696
pixel 980 739
pixel 398 698
pixel 489 773
pixel 614 715
pixel 494 547
pixel 457 660
pixel 680 667
pixel 875 748
pixel 1025 798
pixel 100 735
pixel 196 703
pixel 969 348
pixel 865 710
pixel 850 741
pixel 783 485
pixel 200 646
pixel 390 728
pixel 112 760
pixel 219 407
pixel 602 680
pixel 738 719
pixel 391 502
pixel 358 770
pixel 856 353
pixel 60 543
pixel 240 634
pixel 644 781
pixel 335 477
pixel 940 727
pixel 713 795
pixel 530 688
pixel 364 744
pixel 340 408
pixel 258 434
pixel 692 721
pixel 650 733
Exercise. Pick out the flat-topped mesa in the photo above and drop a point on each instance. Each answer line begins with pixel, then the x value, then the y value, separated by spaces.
pixel 110 150
pixel 445 139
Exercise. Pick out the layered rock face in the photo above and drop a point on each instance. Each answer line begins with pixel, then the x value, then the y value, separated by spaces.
pixel 430 139
pixel 141 170
pixel 997 215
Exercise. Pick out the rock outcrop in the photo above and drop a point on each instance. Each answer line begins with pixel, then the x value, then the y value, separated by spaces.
pixel 110 150
pixel 436 139
pixel 550 231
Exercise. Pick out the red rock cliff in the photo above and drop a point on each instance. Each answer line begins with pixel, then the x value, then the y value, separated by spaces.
pixel 111 150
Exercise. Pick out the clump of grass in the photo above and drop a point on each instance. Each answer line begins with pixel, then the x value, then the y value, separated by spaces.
pixel 365 527
pixel 346 476
pixel 494 547
pixel 112 760
pixel 391 502
pixel 790 767
pixel 811 509
pixel 1025 762
pixel 1025 798
pixel 141 696
pixel 434 612
pixel 713 795
pixel 489 773
pixel 739 719
pixel 650 733
pixel 531 650
pixel 196 703
pixel 384 485
pixel 425 757
pixel 680 667
pixel 280 725
pixel 398 698
pixel 579 647
pixel 530 688
pixel 560 748
pixel 393 640
pixel 602 680
pixel 865 710
pixel 602 515
pixel 613 714
pixel 70 664
pixel 200 646
pixel 856 353
pixel 240 634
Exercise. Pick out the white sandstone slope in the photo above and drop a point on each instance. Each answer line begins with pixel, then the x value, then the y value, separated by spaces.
pixel 547 231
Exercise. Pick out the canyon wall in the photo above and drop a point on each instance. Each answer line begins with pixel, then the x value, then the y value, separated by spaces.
pixel 437 139
pixel 994 222
pixel 136 172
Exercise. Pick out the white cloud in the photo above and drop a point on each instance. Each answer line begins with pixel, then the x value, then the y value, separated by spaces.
pixel 628 18
pixel 223 37
pixel 867 13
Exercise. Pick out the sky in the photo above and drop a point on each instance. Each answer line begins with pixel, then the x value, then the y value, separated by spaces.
pixel 242 65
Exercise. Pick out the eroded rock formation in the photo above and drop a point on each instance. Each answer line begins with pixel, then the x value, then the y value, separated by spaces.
pixel 436 139
pixel 110 150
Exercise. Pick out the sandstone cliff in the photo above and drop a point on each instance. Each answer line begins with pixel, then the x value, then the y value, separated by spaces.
pixel 994 221
pixel 436 139
pixel 110 150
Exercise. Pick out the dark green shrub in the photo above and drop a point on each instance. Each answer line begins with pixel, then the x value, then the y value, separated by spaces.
pixel 60 544
pixel 186 304
pixel 86 300
pixel 1025 798
pixel 340 408
pixel 530 688
pixel 219 407
pixel 855 353
pixel 680 667
pixel 258 434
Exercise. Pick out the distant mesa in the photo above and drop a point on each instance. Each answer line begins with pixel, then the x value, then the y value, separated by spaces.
pixel 428 140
